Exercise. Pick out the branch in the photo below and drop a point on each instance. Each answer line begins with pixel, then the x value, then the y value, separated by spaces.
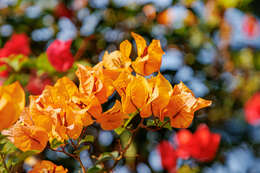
pixel 83 47
pixel 3 160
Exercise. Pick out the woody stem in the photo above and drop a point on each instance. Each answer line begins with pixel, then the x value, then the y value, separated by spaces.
pixel 70 155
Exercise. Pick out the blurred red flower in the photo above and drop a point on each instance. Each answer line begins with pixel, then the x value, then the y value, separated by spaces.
pixel 202 145
pixel 18 44
pixel 36 83
pixel 250 26
pixel 252 110
pixel 168 156
pixel 60 56
pixel 62 11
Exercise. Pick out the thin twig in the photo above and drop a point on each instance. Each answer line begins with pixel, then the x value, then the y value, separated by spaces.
pixel 70 155
pixel 83 47
pixel 3 159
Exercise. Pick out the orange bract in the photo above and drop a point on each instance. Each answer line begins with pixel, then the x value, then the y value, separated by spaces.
pixel 149 57
pixel 12 101
pixel 93 82
pixel 47 166
pixel 117 61
pixel 27 137
pixel 163 89
pixel 113 118
pixel 63 108
pixel 182 106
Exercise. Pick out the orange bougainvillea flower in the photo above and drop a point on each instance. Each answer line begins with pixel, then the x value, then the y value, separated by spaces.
pixel 93 82
pixel 27 137
pixel 64 108
pixel 138 93
pixel 182 106
pixel 162 90
pixel 12 101
pixel 149 57
pixel 147 96
pixel 47 166
pixel 117 61
pixel 113 118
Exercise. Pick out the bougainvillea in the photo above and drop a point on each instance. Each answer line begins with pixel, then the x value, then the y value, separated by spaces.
pixel 59 55
pixel 201 146
pixel 252 110
pixel 61 112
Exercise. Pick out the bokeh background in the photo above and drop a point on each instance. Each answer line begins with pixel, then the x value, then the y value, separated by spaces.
pixel 210 45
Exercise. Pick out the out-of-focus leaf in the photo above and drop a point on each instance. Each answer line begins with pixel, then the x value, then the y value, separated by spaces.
pixel 43 64
pixel 26 154
pixel 3 67
pixel 95 169
pixel 88 138
pixel 86 147
pixel 108 156
pixel 158 123
pixel 119 130
pixel 16 62
pixel 55 143
pixel 187 169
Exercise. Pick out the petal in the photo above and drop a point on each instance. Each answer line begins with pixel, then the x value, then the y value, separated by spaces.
pixel 140 43
pixel 113 118
pixel 126 48
pixel 12 102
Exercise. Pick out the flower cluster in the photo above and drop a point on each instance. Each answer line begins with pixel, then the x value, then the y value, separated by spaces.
pixel 18 44
pixel 202 146
pixel 61 111
pixel 252 110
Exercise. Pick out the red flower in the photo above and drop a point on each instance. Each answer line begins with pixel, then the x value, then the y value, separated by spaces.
pixel 18 44
pixel 252 109
pixel 168 156
pixel 202 145
pixel 206 144
pixel 62 11
pixel 251 26
pixel 36 83
pixel 185 142
pixel 60 56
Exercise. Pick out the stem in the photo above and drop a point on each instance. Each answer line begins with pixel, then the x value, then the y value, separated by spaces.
pixel 123 151
pixel 3 160
pixel 70 155
pixel 83 47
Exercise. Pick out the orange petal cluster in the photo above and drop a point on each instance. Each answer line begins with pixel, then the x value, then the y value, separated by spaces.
pixel 47 166
pixel 62 110
pixel 12 101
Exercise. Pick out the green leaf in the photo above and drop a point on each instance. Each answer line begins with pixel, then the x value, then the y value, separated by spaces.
pixel 86 147
pixel 158 123
pixel 120 130
pixel 55 143
pixel 95 169
pixel 108 156
pixel 26 154
pixel 43 64
pixel 16 61
pixel 187 169
pixel 3 67
pixel 88 138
